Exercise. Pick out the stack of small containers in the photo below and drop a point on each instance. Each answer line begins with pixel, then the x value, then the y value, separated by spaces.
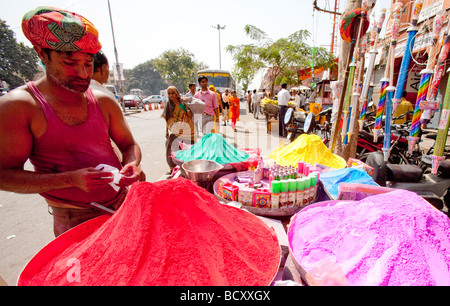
pixel 288 187
pixel 297 191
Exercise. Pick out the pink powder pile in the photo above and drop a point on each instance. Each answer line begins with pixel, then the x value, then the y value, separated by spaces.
pixel 391 239
pixel 167 233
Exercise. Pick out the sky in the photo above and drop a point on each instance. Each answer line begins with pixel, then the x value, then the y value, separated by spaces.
pixel 145 29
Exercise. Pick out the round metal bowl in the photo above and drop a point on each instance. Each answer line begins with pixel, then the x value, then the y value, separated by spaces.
pixel 201 171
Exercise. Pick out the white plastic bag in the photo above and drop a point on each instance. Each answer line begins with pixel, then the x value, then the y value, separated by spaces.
pixel 117 176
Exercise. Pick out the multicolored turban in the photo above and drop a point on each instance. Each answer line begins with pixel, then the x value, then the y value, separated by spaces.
pixel 348 28
pixel 60 30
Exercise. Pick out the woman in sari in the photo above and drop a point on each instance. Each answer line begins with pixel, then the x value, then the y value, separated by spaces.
pixel 234 102
pixel 179 124
pixel 219 102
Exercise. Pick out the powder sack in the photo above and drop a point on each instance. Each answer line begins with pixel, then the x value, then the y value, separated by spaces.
pixel 167 233
pixel 213 147
pixel 392 239
pixel 310 149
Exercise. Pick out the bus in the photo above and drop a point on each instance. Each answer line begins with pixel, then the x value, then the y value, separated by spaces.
pixel 221 79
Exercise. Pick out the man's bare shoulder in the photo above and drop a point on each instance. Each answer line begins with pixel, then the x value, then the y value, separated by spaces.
pixel 109 106
pixel 18 101
pixel 104 96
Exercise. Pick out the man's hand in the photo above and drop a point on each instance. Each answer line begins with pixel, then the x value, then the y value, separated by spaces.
pixel 131 173
pixel 90 179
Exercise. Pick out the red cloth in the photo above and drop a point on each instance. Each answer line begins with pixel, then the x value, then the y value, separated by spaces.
pixel 349 21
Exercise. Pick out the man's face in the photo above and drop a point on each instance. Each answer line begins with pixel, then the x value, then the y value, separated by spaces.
pixel 204 84
pixel 72 71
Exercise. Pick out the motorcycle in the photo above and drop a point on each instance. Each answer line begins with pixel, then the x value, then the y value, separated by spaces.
pixel 299 123
pixel 399 143
pixel 433 188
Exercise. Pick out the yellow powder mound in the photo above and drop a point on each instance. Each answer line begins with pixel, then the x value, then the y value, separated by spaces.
pixel 310 149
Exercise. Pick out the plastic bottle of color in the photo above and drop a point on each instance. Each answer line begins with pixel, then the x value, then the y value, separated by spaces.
pixel 315 183
pixel 307 185
pixel 300 192
pixel 301 164
pixel 275 188
pixel 258 174
pixel 284 194
pixel 292 193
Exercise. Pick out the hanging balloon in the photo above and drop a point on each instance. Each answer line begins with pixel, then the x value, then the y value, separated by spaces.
pixel 349 23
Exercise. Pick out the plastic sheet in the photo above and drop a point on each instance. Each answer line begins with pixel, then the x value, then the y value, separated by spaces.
pixel 332 179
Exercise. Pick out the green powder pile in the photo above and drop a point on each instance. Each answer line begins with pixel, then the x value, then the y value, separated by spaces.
pixel 213 147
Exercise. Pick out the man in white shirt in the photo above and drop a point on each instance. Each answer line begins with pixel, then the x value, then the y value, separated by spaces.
pixel 256 100
pixel 283 101
pixel 296 99
pixel 226 107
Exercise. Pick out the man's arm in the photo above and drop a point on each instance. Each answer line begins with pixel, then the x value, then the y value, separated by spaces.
pixel 120 133
pixel 16 142
pixel 216 108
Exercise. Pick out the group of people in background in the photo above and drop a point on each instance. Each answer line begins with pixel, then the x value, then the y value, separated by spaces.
pixel 182 127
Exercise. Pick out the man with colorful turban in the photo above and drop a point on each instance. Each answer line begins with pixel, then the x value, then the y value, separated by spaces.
pixel 64 127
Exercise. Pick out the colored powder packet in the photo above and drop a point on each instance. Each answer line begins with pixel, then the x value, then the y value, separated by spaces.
pixel 392 239
pixel 332 179
pixel 310 149
pixel 213 147
pixel 169 233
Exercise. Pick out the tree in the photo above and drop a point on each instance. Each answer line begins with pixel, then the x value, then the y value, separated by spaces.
pixel 178 67
pixel 247 62
pixel 145 77
pixel 18 63
pixel 284 57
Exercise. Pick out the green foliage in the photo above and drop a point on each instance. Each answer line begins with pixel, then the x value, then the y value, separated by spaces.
pixel 285 57
pixel 178 68
pixel 145 77
pixel 18 63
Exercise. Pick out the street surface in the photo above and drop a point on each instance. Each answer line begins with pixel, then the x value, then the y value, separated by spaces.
pixel 26 226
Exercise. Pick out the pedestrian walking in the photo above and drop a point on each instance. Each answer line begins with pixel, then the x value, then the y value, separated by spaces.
pixel 234 109
pixel 226 107
pixel 297 99
pixel 211 112
pixel 249 101
pixel 256 101
pixel 190 94
pixel 283 102
pixel 179 124
pixel 216 128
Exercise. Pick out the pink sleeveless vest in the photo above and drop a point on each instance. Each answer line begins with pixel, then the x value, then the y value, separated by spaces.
pixel 65 148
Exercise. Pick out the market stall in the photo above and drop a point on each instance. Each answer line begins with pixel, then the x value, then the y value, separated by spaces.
pixel 269 108
pixel 232 217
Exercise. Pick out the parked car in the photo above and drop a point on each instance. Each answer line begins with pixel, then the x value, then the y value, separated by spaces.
pixel 153 99
pixel 133 101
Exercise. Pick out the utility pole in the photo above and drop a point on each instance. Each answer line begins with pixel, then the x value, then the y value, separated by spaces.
pixel 219 27
pixel 119 81
pixel 333 38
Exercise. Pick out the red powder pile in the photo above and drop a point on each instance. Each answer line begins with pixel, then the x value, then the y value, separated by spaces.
pixel 166 233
